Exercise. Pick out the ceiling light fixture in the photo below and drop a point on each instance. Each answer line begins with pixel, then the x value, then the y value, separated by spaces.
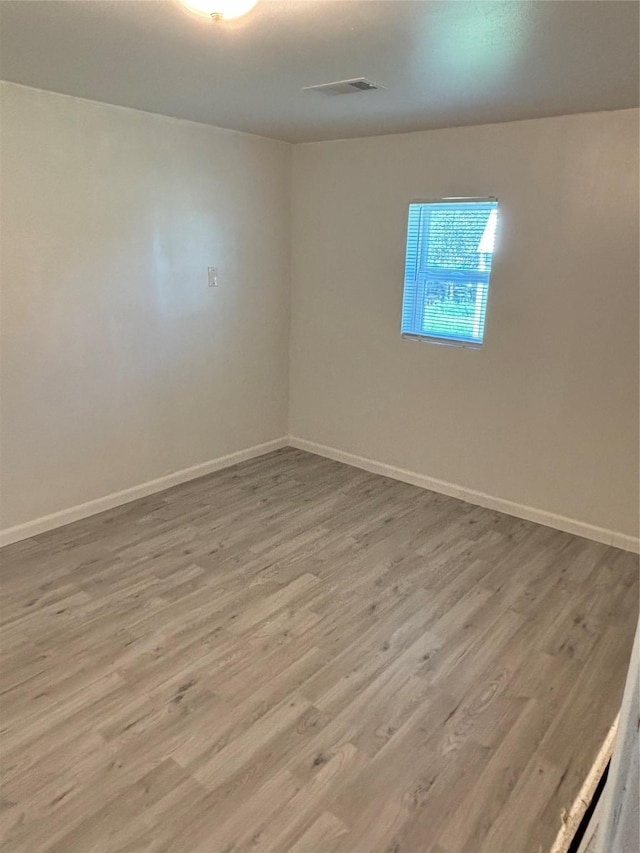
pixel 219 10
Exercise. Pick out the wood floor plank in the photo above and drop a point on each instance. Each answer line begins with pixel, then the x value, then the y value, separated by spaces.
pixel 296 655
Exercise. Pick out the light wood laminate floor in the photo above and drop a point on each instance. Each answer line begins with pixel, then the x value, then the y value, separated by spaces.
pixel 295 655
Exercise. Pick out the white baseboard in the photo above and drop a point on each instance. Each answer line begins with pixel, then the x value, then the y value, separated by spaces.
pixel 559 522
pixel 75 513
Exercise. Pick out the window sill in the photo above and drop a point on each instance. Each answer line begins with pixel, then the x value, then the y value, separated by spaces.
pixel 443 342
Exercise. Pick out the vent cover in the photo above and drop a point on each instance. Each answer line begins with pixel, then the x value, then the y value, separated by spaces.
pixel 344 87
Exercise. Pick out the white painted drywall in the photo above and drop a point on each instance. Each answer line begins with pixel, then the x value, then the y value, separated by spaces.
pixel 119 363
pixel 546 414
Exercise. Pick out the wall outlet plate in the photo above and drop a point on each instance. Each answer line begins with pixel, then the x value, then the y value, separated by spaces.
pixel 213 276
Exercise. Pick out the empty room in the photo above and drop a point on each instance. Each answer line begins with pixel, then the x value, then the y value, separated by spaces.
pixel 319 426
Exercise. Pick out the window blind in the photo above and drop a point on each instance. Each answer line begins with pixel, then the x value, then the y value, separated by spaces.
pixel 447 269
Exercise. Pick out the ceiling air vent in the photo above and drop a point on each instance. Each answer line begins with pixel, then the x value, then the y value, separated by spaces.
pixel 344 87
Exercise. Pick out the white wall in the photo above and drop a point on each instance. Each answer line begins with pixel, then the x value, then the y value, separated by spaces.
pixel 120 364
pixel 546 414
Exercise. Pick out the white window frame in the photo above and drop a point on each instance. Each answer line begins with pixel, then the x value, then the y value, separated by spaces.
pixel 434 339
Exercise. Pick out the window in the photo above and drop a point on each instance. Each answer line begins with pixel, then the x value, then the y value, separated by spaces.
pixel 448 263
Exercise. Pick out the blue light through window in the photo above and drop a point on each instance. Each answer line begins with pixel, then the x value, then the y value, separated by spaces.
pixel 448 264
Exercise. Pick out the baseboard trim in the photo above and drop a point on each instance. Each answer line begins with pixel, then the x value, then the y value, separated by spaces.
pixel 66 516
pixel 549 519
pixel 76 513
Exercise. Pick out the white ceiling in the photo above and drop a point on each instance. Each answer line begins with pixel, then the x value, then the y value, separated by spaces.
pixel 442 63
